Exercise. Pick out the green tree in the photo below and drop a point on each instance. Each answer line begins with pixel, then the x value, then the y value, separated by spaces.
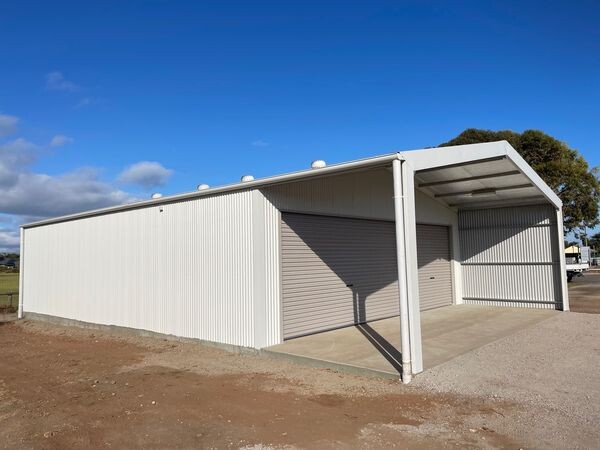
pixel 561 167
pixel 595 241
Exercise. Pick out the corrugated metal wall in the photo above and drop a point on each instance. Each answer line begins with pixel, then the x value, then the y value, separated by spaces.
pixel 206 268
pixel 186 271
pixel 270 322
pixel 510 256
pixel 366 194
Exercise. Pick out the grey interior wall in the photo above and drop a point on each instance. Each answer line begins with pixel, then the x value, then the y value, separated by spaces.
pixel 510 256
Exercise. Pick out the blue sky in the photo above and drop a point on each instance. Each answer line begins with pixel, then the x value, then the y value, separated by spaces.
pixel 103 103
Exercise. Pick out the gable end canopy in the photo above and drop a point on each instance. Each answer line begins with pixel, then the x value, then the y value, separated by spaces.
pixel 479 175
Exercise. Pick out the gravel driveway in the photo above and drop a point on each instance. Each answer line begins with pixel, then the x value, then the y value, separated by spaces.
pixel 550 370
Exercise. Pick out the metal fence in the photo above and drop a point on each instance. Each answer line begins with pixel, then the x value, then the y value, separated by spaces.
pixel 9 290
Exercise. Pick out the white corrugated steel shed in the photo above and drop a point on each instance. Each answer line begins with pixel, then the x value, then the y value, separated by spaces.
pixel 206 264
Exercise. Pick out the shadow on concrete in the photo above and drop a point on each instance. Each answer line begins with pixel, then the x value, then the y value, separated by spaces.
pixel 384 347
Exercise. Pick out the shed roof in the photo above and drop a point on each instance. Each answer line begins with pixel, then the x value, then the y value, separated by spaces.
pixel 461 176
pixel 479 175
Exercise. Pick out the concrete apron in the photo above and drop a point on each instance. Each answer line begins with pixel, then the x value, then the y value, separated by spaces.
pixel 372 349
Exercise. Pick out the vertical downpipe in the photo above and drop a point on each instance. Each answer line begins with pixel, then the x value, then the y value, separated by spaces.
pixel 401 258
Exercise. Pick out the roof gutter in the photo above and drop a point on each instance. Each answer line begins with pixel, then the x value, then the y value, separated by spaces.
pixel 258 183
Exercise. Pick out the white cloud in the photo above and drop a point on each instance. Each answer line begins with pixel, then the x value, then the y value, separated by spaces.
pixel 55 81
pixel 59 140
pixel 147 174
pixel 9 240
pixel 260 143
pixel 40 195
pixel 14 157
pixel 8 124
pixel 26 193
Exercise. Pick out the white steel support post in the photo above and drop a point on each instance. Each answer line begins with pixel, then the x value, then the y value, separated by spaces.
pixel 412 267
pixel 561 255
pixel 401 258
pixel 21 273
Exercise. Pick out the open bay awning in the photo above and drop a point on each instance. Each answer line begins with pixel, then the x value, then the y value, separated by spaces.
pixel 478 175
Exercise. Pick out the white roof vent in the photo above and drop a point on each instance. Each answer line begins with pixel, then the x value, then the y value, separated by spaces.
pixel 247 178
pixel 156 195
pixel 318 164
pixel 202 187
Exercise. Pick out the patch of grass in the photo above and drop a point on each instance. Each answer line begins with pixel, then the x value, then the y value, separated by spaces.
pixel 9 283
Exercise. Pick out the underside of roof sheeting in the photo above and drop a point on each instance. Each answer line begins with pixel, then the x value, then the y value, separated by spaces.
pixel 476 183
pixel 478 176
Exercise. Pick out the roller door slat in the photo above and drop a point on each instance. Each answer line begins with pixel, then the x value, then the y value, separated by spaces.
pixel 321 256
pixel 435 271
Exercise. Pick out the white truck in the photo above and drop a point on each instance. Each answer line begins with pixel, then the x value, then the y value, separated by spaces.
pixel 578 261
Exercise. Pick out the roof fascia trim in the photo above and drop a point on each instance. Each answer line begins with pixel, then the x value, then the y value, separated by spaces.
pixel 532 175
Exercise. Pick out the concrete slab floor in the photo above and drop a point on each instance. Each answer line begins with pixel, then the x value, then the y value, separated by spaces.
pixel 447 332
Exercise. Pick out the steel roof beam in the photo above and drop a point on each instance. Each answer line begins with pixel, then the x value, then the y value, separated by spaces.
pixel 498 202
pixel 485 191
pixel 474 178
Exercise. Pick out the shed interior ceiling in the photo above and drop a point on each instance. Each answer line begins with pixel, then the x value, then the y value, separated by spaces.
pixel 479 183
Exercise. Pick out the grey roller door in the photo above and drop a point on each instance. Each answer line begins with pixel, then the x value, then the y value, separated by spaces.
pixel 435 273
pixel 336 272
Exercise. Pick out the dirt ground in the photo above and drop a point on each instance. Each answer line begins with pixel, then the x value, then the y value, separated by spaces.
pixel 67 387
pixel 74 388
